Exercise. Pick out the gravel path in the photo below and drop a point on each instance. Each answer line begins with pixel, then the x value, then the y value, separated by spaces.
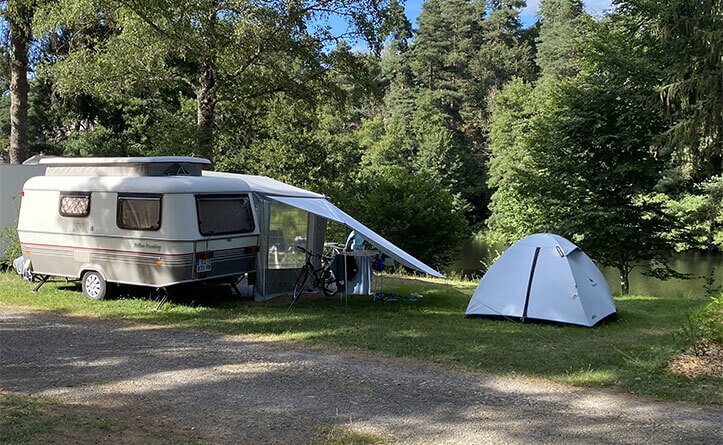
pixel 234 389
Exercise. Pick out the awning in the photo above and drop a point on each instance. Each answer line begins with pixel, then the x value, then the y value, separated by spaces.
pixel 325 209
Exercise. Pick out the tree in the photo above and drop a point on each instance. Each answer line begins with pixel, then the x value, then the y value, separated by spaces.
pixel 514 214
pixel 700 214
pixel 588 167
pixel 218 51
pixel 448 35
pixel 501 55
pixel 562 23
pixel 686 37
pixel 410 208
pixel 18 14
pixel 422 142
pixel 395 65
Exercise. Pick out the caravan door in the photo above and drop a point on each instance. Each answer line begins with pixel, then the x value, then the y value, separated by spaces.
pixel 230 241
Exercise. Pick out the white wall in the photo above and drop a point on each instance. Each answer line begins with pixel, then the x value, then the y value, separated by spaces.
pixel 12 178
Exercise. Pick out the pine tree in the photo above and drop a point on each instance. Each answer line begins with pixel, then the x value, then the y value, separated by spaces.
pixel 562 22
pixel 395 65
pixel 501 55
pixel 19 14
pixel 448 35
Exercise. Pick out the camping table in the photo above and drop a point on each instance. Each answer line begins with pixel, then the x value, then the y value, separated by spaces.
pixel 364 274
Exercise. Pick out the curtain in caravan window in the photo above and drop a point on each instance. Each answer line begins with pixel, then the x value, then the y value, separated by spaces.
pixel 139 212
pixel 224 215
pixel 74 204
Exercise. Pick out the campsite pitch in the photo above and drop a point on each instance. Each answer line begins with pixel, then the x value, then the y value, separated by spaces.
pixel 630 354
pixel 197 387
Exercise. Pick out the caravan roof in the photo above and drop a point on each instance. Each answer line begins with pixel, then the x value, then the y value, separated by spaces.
pixel 209 182
pixel 53 160
pixel 135 184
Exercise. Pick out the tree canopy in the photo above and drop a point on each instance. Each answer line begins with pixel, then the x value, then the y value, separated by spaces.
pixel 606 130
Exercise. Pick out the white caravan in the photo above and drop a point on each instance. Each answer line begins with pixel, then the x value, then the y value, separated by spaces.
pixel 163 221
pixel 143 221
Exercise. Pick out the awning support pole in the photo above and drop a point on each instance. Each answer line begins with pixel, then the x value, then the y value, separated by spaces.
pixel 346 279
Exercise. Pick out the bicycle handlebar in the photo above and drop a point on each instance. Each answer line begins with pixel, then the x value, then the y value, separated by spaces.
pixel 322 256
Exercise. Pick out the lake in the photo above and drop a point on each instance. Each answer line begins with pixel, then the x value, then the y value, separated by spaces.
pixel 476 256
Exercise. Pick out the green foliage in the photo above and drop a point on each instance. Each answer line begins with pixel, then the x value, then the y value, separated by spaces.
pixel 513 212
pixel 579 157
pixel 423 142
pixel 10 246
pixel 700 216
pixel 561 31
pixel 690 36
pixel 704 327
pixel 267 88
pixel 214 52
pixel 414 212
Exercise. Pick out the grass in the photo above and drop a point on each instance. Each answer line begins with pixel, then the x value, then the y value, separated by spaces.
pixel 25 419
pixel 628 355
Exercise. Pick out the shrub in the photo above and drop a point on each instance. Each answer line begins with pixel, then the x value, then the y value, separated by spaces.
pixel 10 246
pixel 413 212
pixel 704 327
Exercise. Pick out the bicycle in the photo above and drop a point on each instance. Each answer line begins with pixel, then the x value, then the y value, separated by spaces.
pixel 323 278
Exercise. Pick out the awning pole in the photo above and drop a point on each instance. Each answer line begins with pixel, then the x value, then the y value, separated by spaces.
pixel 346 280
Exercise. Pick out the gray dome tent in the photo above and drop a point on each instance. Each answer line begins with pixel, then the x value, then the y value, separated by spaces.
pixel 544 277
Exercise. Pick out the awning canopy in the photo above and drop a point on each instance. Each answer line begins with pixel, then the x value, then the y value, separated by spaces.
pixel 325 209
pixel 318 205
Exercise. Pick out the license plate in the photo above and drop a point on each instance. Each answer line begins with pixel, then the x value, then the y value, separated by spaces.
pixel 203 265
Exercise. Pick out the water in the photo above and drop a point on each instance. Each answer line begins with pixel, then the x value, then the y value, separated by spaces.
pixel 477 256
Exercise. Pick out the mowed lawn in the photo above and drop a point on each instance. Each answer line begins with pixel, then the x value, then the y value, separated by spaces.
pixel 629 354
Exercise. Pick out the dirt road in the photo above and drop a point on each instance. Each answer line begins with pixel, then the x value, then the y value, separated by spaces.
pixel 231 390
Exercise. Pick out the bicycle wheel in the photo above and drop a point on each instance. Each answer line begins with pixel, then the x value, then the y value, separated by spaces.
pixel 301 283
pixel 328 283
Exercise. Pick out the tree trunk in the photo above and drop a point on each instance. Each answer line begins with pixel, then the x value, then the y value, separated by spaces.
pixel 19 25
pixel 624 279
pixel 206 97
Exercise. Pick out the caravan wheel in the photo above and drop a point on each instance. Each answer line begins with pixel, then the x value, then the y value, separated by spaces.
pixel 94 286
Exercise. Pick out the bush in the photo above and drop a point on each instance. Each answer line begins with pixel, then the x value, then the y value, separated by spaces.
pixel 704 327
pixel 10 246
pixel 413 212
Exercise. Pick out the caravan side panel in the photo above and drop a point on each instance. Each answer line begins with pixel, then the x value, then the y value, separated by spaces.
pixel 67 246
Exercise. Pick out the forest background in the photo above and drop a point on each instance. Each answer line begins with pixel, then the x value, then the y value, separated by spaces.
pixel 606 130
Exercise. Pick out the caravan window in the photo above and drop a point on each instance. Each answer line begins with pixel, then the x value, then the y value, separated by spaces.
pixel 74 204
pixel 224 214
pixel 139 212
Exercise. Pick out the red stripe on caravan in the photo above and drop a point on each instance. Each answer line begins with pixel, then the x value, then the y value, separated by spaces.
pixel 108 250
